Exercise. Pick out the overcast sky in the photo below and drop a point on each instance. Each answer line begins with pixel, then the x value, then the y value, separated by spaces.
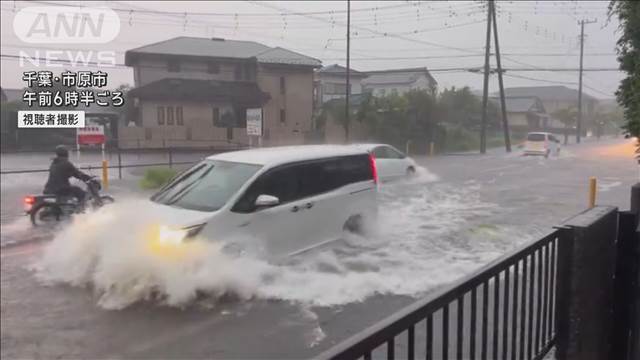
pixel 385 34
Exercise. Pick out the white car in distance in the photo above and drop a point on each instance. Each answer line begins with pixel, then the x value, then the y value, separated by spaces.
pixel 284 200
pixel 541 143
pixel 391 163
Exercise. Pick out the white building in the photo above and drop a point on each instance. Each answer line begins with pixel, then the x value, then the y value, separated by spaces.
pixel 399 81
pixel 331 83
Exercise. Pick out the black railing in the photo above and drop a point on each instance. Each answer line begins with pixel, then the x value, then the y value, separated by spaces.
pixel 503 311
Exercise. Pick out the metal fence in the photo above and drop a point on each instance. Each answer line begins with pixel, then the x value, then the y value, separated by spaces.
pixel 577 288
pixel 116 161
pixel 503 311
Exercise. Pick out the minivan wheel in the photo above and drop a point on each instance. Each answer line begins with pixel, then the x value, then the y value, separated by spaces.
pixel 411 171
pixel 354 225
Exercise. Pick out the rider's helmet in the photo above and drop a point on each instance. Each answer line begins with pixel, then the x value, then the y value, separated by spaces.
pixel 62 151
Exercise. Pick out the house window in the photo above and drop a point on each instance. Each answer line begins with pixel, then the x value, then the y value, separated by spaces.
pixel 173 66
pixel 382 92
pixel 160 115
pixel 213 67
pixel 394 91
pixel 240 117
pixel 336 89
pixel 179 118
pixel 169 115
pixel 283 89
pixel 229 133
pixel 216 116
pixel 248 72
pixel 283 116
pixel 237 74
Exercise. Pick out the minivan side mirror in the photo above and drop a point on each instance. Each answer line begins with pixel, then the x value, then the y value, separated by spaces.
pixel 266 201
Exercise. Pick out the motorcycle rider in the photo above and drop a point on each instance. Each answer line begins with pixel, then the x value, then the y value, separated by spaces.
pixel 60 171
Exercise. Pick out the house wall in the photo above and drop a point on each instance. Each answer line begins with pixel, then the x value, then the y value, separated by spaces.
pixel 198 129
pixel 297 102
pixel 422 82
pixel 148 70
pixel 325 79
pixel 588 106
pixel 517 120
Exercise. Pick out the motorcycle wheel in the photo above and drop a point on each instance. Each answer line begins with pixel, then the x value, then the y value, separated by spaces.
pixel 45 214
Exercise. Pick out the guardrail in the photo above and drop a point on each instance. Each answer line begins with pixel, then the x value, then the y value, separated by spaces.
pixel 503 311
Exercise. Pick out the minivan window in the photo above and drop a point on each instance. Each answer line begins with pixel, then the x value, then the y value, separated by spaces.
pixel 207 186
pixel 381 152
pixel 536 137
pixel 394 154
pixel 297 181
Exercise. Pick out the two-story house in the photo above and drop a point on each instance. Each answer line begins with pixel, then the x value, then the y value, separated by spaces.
pixel 192 92
pixel 399 81
pixel 332 82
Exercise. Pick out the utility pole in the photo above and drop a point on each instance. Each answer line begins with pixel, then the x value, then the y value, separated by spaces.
pixel 348 90
pixel 485 89
pixel 505 122
pixel 579 125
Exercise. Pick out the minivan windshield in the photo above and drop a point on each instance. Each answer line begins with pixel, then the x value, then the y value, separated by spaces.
pixel 536 137
pixel 207 186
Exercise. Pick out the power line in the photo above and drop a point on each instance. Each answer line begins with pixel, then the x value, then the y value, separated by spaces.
pixel 192 13
pixel 365 29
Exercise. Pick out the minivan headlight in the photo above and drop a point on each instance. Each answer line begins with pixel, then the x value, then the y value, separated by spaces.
pixel 169 236
pixel 172 236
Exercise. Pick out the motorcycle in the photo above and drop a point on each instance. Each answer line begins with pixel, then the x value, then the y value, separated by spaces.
pixel 50 209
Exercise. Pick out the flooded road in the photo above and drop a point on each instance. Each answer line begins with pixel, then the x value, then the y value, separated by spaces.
pixel 459 214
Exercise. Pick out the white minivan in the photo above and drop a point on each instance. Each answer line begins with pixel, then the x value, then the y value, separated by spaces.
pixel 541 143
pixel 280 200
pixel 391 163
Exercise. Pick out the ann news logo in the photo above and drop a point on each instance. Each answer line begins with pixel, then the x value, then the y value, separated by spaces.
pixel 66 25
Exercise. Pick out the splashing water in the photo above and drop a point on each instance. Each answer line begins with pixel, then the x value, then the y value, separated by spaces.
pixel 420 244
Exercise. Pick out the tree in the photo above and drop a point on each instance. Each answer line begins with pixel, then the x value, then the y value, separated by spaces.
pixel 628 49
pixel 568 116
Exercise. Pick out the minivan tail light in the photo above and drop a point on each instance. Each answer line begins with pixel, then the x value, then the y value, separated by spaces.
pixel 374 169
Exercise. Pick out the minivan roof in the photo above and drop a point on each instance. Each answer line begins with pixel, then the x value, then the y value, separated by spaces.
pixel 285 154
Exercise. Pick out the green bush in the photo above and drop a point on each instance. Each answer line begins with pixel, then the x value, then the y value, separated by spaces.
pixel 156 177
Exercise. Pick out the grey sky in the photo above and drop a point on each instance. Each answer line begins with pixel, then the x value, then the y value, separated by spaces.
pixel 436 34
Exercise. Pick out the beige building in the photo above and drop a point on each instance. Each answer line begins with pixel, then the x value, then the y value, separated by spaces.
pixel 194 92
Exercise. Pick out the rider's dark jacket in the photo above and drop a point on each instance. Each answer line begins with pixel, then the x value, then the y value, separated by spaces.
pixel 60 171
